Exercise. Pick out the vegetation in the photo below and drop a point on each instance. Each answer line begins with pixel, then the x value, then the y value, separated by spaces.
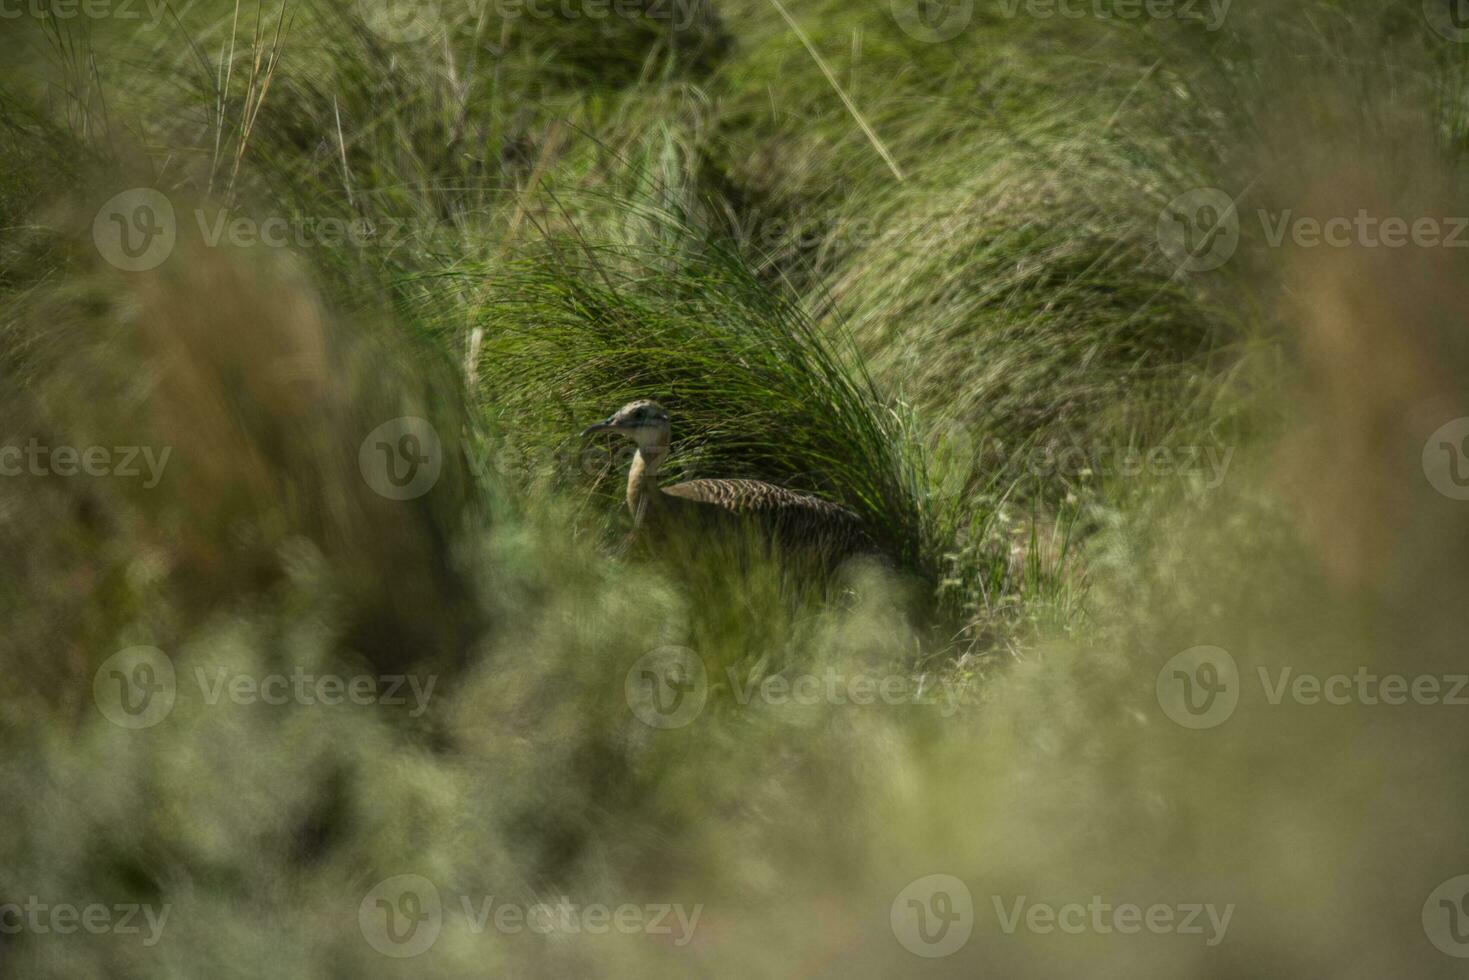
pixel 937 279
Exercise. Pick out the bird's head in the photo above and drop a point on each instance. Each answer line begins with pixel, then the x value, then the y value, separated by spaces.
pixel 644 422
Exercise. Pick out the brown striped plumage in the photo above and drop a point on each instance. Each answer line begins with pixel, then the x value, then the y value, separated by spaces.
pixel 795 521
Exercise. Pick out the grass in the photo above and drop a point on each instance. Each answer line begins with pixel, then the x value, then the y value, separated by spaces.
pixel 913 278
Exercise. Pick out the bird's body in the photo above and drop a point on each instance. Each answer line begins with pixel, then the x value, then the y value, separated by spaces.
pixel 700 510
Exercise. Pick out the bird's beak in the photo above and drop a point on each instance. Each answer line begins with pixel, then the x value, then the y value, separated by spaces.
pixel 603 426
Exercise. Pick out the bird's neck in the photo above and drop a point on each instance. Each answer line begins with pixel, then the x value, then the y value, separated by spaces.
pixel 642 480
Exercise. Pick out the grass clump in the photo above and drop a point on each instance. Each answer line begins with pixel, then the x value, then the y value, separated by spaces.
pixel 992 708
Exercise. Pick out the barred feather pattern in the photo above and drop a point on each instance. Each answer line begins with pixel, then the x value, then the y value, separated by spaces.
pixel 794 520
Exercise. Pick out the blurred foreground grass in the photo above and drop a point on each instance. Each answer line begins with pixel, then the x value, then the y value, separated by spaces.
pixel 1163 535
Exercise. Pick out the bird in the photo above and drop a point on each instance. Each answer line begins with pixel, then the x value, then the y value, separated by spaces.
pixel 797 523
